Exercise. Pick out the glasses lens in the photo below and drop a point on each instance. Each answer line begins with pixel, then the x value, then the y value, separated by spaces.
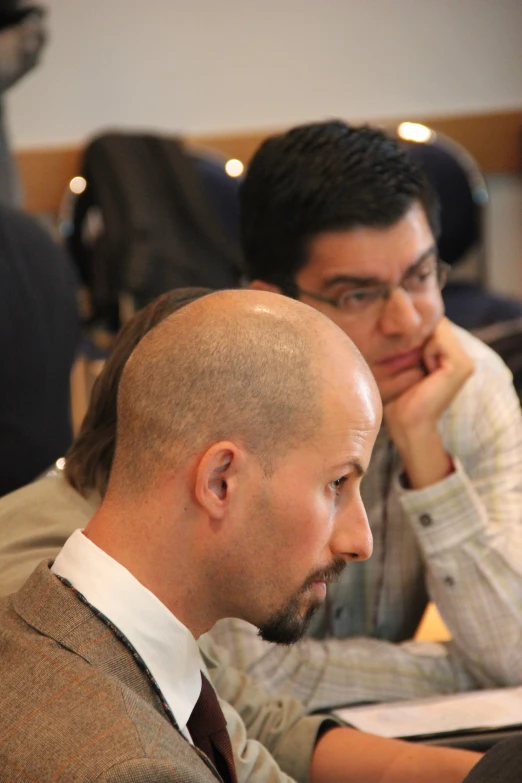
pixel 361 300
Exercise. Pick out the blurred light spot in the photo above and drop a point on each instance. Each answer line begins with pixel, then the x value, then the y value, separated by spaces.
pixel 77 185
pixel 414 131
pixel 234 167
pixel 60 463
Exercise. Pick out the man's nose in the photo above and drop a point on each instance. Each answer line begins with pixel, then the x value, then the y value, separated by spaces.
pixel 352 538
pixel 399 314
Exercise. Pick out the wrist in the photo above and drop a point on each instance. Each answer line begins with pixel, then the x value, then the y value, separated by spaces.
pixel 424 458
pixel 414 440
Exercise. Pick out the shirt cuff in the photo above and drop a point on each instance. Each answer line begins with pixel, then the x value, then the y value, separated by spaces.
pixel 327 725
pixel 294 755
pixel 445 514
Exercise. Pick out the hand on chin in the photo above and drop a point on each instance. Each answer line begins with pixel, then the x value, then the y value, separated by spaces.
pixel 395 386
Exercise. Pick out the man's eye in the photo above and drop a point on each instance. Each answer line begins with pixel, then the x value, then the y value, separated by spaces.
pixel 423 275
pixel 354 300
pixel 337 484
pixel 358 296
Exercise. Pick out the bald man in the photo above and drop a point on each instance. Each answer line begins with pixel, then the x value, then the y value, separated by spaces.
pixel 234 491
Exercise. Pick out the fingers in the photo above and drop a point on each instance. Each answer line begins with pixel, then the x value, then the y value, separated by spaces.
pixel 432 356
pixel 444 351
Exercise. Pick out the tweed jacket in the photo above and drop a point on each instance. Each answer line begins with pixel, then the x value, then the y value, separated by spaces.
pixel 75 707
pixel 272 736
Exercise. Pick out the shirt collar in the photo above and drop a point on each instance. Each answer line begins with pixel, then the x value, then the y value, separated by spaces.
pixel 166 646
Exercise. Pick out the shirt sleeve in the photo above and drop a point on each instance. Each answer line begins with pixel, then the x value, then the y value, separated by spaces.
pixel 469 529
pixel 331 672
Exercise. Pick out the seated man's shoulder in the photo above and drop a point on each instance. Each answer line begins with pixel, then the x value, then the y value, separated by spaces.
pixel 485 408
pixel 35 522
pixel 50 497
pixel 487 361
pixel 491 379
pixel 72 710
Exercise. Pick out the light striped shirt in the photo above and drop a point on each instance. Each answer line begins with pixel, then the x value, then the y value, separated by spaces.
pixel 458 543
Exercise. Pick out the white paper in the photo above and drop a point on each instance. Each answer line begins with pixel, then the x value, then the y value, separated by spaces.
pixel 477 710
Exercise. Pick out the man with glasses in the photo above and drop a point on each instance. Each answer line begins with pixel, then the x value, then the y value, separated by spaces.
pixel 339 217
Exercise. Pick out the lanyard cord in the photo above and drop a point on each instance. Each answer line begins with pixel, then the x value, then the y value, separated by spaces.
pixel 135 654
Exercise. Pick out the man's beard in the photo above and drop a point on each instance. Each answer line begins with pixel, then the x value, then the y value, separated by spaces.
pixel 288 625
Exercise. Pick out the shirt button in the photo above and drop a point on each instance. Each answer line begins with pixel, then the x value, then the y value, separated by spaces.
pixel 449 581
pixel 425 520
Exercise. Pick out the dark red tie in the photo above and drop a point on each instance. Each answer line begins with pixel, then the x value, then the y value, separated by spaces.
pixel 208 729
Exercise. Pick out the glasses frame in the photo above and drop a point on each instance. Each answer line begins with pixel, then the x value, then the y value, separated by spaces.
pixel 385 289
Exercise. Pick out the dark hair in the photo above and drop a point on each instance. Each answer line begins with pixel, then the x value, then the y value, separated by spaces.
pixel 323 177
pixel 89 461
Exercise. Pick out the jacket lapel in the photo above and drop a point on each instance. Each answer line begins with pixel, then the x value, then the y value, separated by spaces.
pixel 53 609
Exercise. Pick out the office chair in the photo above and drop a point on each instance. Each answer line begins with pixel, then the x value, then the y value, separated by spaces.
pixel 461 189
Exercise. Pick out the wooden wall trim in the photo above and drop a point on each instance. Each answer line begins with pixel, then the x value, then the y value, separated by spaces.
pixel 493 138
pixel 45 174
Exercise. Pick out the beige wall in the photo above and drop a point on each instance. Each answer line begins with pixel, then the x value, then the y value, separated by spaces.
pixel 211 65
pixel 504 234
pixel 206 66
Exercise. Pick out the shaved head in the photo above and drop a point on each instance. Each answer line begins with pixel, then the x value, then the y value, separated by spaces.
pixel 235 365
pixel 245 422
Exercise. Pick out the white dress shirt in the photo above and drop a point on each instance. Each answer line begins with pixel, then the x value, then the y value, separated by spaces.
pixel 166 646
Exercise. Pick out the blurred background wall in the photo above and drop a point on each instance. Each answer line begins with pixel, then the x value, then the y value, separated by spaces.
pixel 202 66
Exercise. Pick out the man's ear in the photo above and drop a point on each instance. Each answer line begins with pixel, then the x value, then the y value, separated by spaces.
pixel 216 477
pixel 260 285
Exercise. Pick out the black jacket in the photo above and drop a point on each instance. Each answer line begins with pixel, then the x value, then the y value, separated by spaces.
pixel 501 764
pixel 39 329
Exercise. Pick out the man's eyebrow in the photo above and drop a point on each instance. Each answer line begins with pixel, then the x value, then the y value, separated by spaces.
pixel 354 464
pixel 367 281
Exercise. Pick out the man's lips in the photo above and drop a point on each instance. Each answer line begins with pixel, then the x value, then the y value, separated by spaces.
pixel 318 580
pixel 320 585
pixel 320 588
pixel 401 361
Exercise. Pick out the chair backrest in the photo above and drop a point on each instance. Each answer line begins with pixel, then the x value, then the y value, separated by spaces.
pixel 460 187
pixel 161 223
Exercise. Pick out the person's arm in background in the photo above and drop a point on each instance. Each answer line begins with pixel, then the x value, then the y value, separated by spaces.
pixel 468 519
pixel 327 672
pixel 264 729
pixel 345 754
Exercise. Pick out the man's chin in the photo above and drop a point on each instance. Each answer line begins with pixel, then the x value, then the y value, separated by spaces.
pixel 290 624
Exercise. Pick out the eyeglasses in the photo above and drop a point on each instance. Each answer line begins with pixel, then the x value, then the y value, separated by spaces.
pixel 423 279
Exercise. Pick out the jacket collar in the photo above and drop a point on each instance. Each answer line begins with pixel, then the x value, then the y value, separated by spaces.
pixel 54 610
